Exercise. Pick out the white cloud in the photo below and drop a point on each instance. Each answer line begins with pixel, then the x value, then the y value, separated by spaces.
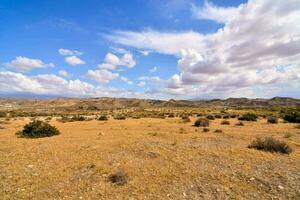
pixel 149 78
pixel 111 61
pixel 102 76
pixel 126 80
pixel 74 60
pixel 154 69
pixel 63 73
pixel 50 84
pixel 24 64
pixel 259 45
pixel 212 12
pixel 68 52
pixel 145 52
pixel 142 83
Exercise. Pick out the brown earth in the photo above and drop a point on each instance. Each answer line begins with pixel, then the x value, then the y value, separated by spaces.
pixel 161 158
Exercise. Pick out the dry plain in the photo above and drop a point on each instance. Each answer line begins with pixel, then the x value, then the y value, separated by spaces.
pixel 161 159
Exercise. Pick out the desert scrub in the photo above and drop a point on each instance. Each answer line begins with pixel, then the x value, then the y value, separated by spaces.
pixel 293 117
pixel 225 122
pixel 248 117
pixel 210 117
pixel 218 131
pixel 270 144
pixel 185 118
pixel 272 120
pixel 37 129
pixel 103 118
pixel 119 117
pixel 239 124
pixel 79 118
pixel 118 178
pixel 205 130
pixel 201 122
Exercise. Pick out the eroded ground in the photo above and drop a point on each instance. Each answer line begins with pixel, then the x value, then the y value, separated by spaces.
pixel 163 159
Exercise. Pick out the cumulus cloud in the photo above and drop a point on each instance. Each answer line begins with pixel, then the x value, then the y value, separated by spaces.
pixel 258 45
pixel 50 84
pixel 102 76
pixel 74 60
pixel 63 73
pixel 68 52
pixel 211 12
pixel 24 64
pixel 126 80
pixel 111 61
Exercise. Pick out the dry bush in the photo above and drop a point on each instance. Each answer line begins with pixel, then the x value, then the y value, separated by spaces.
pixel 248 117
pixel 102 118
pixel 270 144
pixel 201 122
pixel 210 117
pixel 218 131
pixel 239 124
pixel 118 178
pixel 225 122
pixel 185 118
pixel 37 129
pixel 120 117
pixel 218 116
pixel 205 129
pixel 272 120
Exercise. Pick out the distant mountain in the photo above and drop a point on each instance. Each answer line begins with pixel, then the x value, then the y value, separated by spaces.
pixel 106 103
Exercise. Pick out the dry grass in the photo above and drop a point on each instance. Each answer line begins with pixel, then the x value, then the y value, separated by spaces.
pixel 84 160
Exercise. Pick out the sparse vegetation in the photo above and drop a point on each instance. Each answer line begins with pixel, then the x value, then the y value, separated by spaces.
pixel 248 117
pixel 120 117
pixel 185 118
pixel 38 129
pixel 225 122
pixel 201 122
pixel 292 117
pixel 218 131
pixel 210 117
pixel 103 118
pixel 271 145
pixel 205 129
pixel 118 178
pixel 272 120
pixel 239 124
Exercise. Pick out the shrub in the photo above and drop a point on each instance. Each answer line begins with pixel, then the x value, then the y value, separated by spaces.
pixel 78 118
pixel 119 178
pixel 272 120
pixel 239 124
pixel 210 117
pixel 225 122
pixel 248 117
pixel 119 117
pixel 3 114
pixel 103 118
pixel 185 118
pixel 205 129
pixel 226 116
pixel 293 117
pixel 218 116
pixel 201 122
pixel 218 131
pixel 37 129
pixel 270 144
pixel 171 115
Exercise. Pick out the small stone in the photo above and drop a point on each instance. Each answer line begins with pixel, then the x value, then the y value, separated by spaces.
pixel 30 166
pixel 280 187
pixel 252 179
pixel 184 194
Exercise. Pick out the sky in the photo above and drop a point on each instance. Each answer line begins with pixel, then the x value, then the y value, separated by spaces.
pixel 157 49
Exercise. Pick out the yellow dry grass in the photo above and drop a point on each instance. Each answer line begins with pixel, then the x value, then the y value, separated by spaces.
pixel 163 158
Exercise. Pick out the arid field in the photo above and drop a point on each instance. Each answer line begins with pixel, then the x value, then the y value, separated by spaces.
pixel 151 158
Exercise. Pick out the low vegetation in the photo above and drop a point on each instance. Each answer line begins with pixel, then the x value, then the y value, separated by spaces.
pixel 248 117
pixel 118 178
pixel 210 117
pixel 225 122
pixel 103 118
pixel 292 117
pixel 272 120
pixel 270 144
pixel 38 129
pixel 201 122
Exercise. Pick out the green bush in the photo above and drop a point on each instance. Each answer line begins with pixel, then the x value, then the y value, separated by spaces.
pixel 293 117
pixel 210 117
pixel 119 117
pixel 272 120
pixel 201 122
pixel 103 118
pixel 271 145
pixel 78 118
pixel 248 117
pixel 37 129
pixel 225 122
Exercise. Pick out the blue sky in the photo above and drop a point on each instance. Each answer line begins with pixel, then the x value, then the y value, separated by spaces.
pixel 150 49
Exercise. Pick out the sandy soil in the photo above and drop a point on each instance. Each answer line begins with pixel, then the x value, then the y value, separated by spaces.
pixel 163 159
